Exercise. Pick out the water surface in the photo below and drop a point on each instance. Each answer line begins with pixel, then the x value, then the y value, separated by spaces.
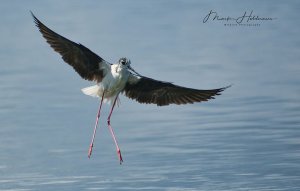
pixel 246 139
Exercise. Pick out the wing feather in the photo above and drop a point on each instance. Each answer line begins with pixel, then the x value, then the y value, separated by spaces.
pixel 87 64
pixel 147 90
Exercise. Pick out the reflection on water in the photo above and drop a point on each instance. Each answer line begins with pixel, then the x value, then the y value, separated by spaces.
pixel 246 139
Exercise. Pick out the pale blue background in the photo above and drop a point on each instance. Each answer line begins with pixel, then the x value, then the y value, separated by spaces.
pixel 246 139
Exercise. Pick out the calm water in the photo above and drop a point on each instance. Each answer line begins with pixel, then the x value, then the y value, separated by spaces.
pixel 246 139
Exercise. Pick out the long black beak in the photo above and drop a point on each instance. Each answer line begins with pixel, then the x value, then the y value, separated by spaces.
pixel 129 67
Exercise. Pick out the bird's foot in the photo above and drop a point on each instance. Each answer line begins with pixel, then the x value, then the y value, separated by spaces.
pixel 120 156
pixel 90 151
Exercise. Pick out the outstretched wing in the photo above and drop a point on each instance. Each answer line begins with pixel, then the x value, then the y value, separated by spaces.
pixel 147 90
pixel 87 64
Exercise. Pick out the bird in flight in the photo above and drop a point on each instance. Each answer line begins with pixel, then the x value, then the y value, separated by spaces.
pixel 120 77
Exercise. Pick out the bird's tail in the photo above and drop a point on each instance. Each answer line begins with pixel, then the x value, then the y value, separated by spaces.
pixel 96 91
pixel 91 91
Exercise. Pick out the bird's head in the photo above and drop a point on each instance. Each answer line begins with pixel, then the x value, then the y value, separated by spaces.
pixel 124 63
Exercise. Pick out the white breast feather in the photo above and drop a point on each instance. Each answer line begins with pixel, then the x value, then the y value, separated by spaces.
pixel 112 83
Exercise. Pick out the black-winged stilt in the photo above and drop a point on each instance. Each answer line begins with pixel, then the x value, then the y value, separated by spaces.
pixel 113 79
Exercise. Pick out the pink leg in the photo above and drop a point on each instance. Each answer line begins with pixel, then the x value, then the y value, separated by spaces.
pixel 95 128
pixel 112 131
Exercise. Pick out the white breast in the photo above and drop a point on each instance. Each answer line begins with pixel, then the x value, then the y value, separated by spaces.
pixel 113 83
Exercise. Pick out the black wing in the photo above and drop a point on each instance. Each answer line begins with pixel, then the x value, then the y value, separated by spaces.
pixel 87 64
pixel 147 90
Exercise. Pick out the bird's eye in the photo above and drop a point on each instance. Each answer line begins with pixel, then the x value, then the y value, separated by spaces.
pixel 123 62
